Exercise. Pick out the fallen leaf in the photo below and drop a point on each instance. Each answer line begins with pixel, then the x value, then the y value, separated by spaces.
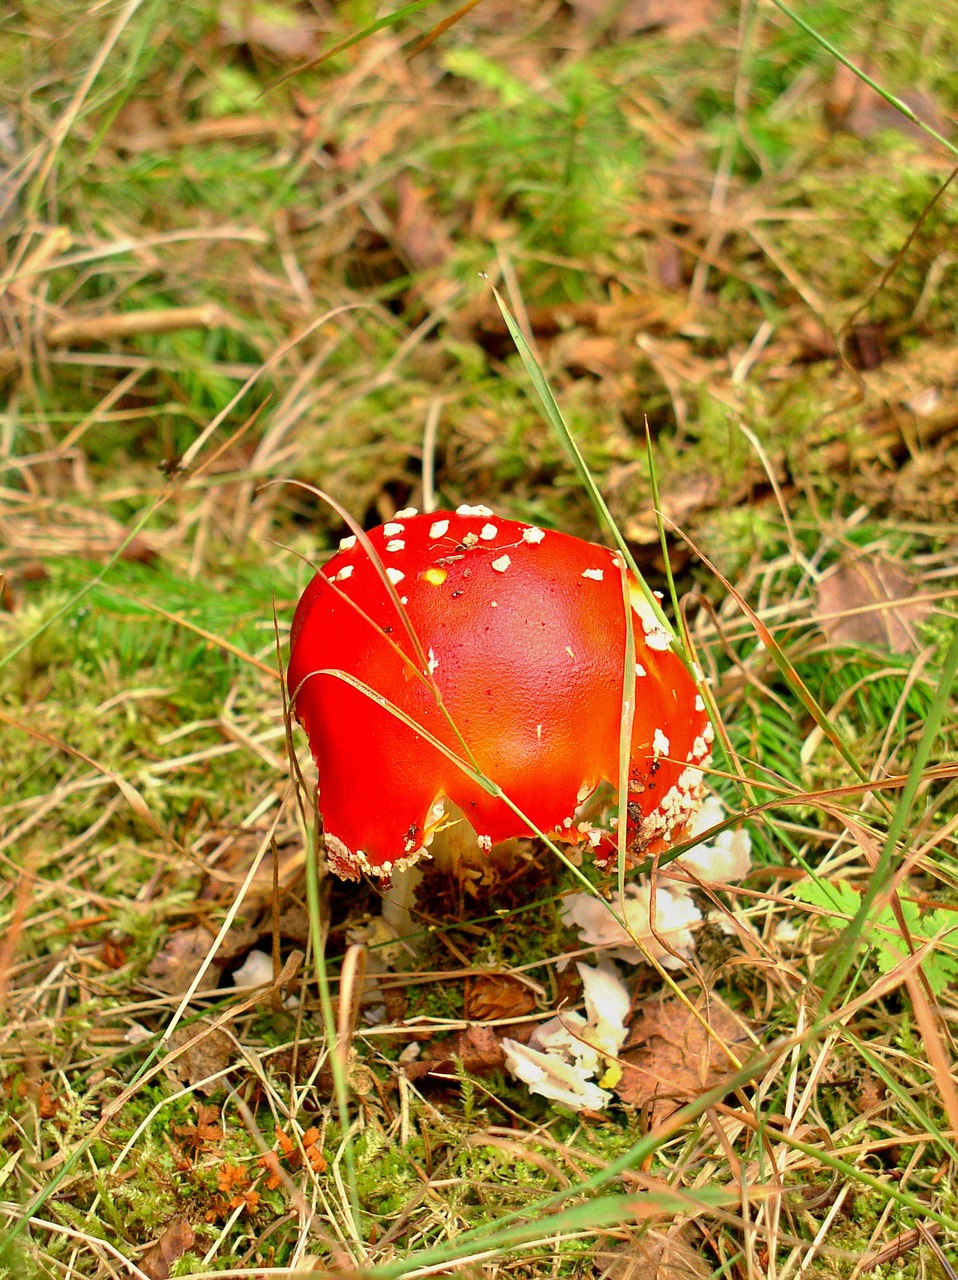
pixel 669 1058
pixel 478 1049
pixel 177 1239
pixel 854 600
pixel 496 995
pixel 194 1066
pixel 174 967
pixel 418 233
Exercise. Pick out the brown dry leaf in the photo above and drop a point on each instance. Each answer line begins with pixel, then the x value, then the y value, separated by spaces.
pixel 669 1058
pixel 176 1240
pixel 685 497
pixel 478 1049
pixel 862 584
pixel 418 234
pixel 206 1058
pixel 653 1255
pixel 174 967
pixel 496 995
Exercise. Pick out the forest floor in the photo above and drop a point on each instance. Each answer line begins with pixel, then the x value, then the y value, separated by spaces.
pixel 226 265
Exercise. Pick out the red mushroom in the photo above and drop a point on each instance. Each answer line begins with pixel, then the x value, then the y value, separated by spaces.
pixel 523 632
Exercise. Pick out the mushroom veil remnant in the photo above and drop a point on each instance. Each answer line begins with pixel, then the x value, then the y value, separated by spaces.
pixel 523 632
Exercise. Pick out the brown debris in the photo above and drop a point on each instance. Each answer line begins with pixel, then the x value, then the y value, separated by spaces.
pixel 478 1049
pixel 654 1255
pixel 491 996
pixel 178 1238
pixel 174 967
pixel 208 1057
pixel 670 1059
pixel 869 601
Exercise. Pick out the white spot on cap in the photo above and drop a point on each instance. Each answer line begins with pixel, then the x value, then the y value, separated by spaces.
pixel 391 529
pixel 485 844
pixel 394 575
pixel 407 513
pixel 708 733
pixel 640 670
pixel 660 744
pixel 699 704
pixel 595 574
pixel 567 823
pixel 539 732
pixel 470 539
pixel 488 532
pixel 473 511
pixel 395 544
pixel 403 599
pixel 345 572
pixel 658 639
pixel 433 661
pixel 532 534
pixel 493 604
pixel 439 529
pixel 502 564
pixel 347 544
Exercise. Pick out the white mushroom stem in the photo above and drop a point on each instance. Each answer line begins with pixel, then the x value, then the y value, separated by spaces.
pixel 399 900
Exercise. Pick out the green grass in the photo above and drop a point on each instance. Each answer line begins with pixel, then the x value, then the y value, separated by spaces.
pixel 687 236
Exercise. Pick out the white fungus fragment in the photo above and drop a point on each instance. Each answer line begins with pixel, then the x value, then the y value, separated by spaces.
pixel 395 544
pixel 532 534
pixel 433 661
pixel 502 564
pixel 725 858
pixel 640 671
pixel 595 574
pixel 470 539
pixel 390 530
pixel 675 914
pixel 465 510
pixel 485 843
pixel 699 704
pixel 394 575
pixel 488 532
pixel 347 544
pixel 786 931
pixel 565 1053
pixel 439 529
pixel 255 970
pixel 345 572
pixel 552 1077
pixel 407 513
pixel 660 744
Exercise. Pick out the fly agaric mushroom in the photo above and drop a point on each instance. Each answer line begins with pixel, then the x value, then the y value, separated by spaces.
pixel 523 634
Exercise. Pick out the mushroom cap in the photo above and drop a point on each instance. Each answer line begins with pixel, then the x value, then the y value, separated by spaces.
pixel 525 637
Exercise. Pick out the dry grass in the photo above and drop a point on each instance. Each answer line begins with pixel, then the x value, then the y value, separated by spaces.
pixel 213 279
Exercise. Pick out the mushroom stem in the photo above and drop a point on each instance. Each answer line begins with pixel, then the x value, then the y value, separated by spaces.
pixel 398 902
